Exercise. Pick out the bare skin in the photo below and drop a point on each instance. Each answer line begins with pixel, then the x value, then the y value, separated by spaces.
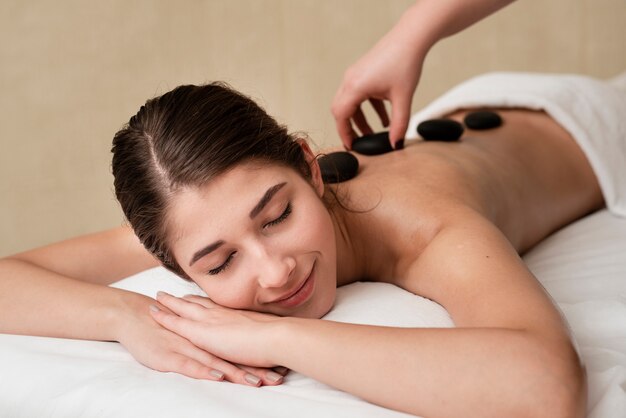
pixel 391 69
pixel 447 222
pixel 528 177
pixel 442 219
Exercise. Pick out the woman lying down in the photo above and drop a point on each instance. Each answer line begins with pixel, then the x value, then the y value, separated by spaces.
pixel 216 191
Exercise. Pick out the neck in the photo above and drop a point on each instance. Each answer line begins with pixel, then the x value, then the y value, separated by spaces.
pixel 350 254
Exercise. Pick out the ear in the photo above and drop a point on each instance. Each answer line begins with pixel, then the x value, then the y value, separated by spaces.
pixel 316 173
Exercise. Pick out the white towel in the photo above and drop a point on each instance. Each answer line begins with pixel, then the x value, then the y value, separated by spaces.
pixel 591 110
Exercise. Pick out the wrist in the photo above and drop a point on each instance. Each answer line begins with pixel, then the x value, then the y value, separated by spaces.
pixel 282 334
pixel 124 311
pixel 417 30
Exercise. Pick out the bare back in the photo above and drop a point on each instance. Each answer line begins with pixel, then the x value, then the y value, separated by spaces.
pixel 528 177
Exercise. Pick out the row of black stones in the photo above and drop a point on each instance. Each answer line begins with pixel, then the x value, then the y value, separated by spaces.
pixel 342 166
pixel 451 130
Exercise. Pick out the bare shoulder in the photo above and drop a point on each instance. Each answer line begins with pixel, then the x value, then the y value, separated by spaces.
pixel 471 269
pixel 101 257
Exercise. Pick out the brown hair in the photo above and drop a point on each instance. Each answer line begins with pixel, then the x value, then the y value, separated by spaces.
pixel 185 138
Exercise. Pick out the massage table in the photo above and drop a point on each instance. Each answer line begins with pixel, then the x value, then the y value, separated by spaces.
pixel 582 266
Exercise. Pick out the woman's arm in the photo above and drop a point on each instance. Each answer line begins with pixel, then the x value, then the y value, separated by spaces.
pixel 511 357
pixel 100 258
pixel 59 291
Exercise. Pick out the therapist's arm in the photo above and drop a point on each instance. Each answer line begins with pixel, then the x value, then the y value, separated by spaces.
pixel 391 69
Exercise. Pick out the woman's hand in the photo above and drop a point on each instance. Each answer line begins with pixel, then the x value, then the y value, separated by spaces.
pixel 163 350
pixel 235 335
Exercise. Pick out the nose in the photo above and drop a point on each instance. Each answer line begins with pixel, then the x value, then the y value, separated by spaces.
pixel 276 271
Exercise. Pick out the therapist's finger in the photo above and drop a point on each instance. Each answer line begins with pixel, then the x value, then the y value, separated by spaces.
pixel 401 106
pixel 361 122
pixel 379 107
pixel 345 131
pixel 342 109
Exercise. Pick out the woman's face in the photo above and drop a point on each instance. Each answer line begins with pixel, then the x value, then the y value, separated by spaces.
pixel 258 237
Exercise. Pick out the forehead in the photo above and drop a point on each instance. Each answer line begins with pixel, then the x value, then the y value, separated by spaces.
pixel 229 196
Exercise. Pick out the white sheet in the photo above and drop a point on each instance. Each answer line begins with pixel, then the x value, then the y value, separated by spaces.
pixel 582 266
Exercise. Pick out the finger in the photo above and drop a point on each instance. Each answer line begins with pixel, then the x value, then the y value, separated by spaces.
pixel 343 110
pixel 187 329
pixel 190 367
pixel 200 300
pixel 162 307
pixel 361 122
pixel 268 376
pixel 181 307
pixel 281 370
pixel 230 372
pixel 379 107
pixel 182 326
pixel 399 118
pixel 345 131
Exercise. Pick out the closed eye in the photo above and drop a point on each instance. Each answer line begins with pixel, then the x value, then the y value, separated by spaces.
pixel 276 221
pixel 224 266
pixel 281 218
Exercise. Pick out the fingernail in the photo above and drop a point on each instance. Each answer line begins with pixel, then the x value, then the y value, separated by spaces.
pixel 400 144
pixel 160 293
pixel 252 379
pixel 274 377
pixel 154 308
pixel 281 370
pixel 217 374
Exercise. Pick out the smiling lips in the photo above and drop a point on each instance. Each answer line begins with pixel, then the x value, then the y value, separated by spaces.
pixel 300 295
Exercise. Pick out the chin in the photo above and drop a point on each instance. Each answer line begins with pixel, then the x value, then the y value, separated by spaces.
pixel 323 312
pixel 321 308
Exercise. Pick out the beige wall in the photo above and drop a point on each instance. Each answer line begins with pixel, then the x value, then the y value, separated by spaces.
pixel 72 72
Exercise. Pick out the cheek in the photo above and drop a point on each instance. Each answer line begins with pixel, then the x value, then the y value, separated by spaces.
pixel 323 234
pixel 319 232
pixel 316 227
pixel 227 293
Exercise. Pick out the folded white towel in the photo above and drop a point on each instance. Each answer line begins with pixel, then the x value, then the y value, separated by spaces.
pixel 591 110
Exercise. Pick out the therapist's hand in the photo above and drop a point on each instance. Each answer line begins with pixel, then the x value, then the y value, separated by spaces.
pixel 391 69
pixel 390 72
pixel 161 349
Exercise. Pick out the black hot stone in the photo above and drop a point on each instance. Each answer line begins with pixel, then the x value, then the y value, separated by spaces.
pixel 482 119
pixel 373 144
pixel 440 130
pixel 338 166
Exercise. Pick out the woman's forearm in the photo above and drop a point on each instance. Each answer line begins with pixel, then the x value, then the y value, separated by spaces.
pixel 438 372
pixel 36 301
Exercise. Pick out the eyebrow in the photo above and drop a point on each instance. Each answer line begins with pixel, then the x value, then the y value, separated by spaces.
pixel 269 193
pixel 267 197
